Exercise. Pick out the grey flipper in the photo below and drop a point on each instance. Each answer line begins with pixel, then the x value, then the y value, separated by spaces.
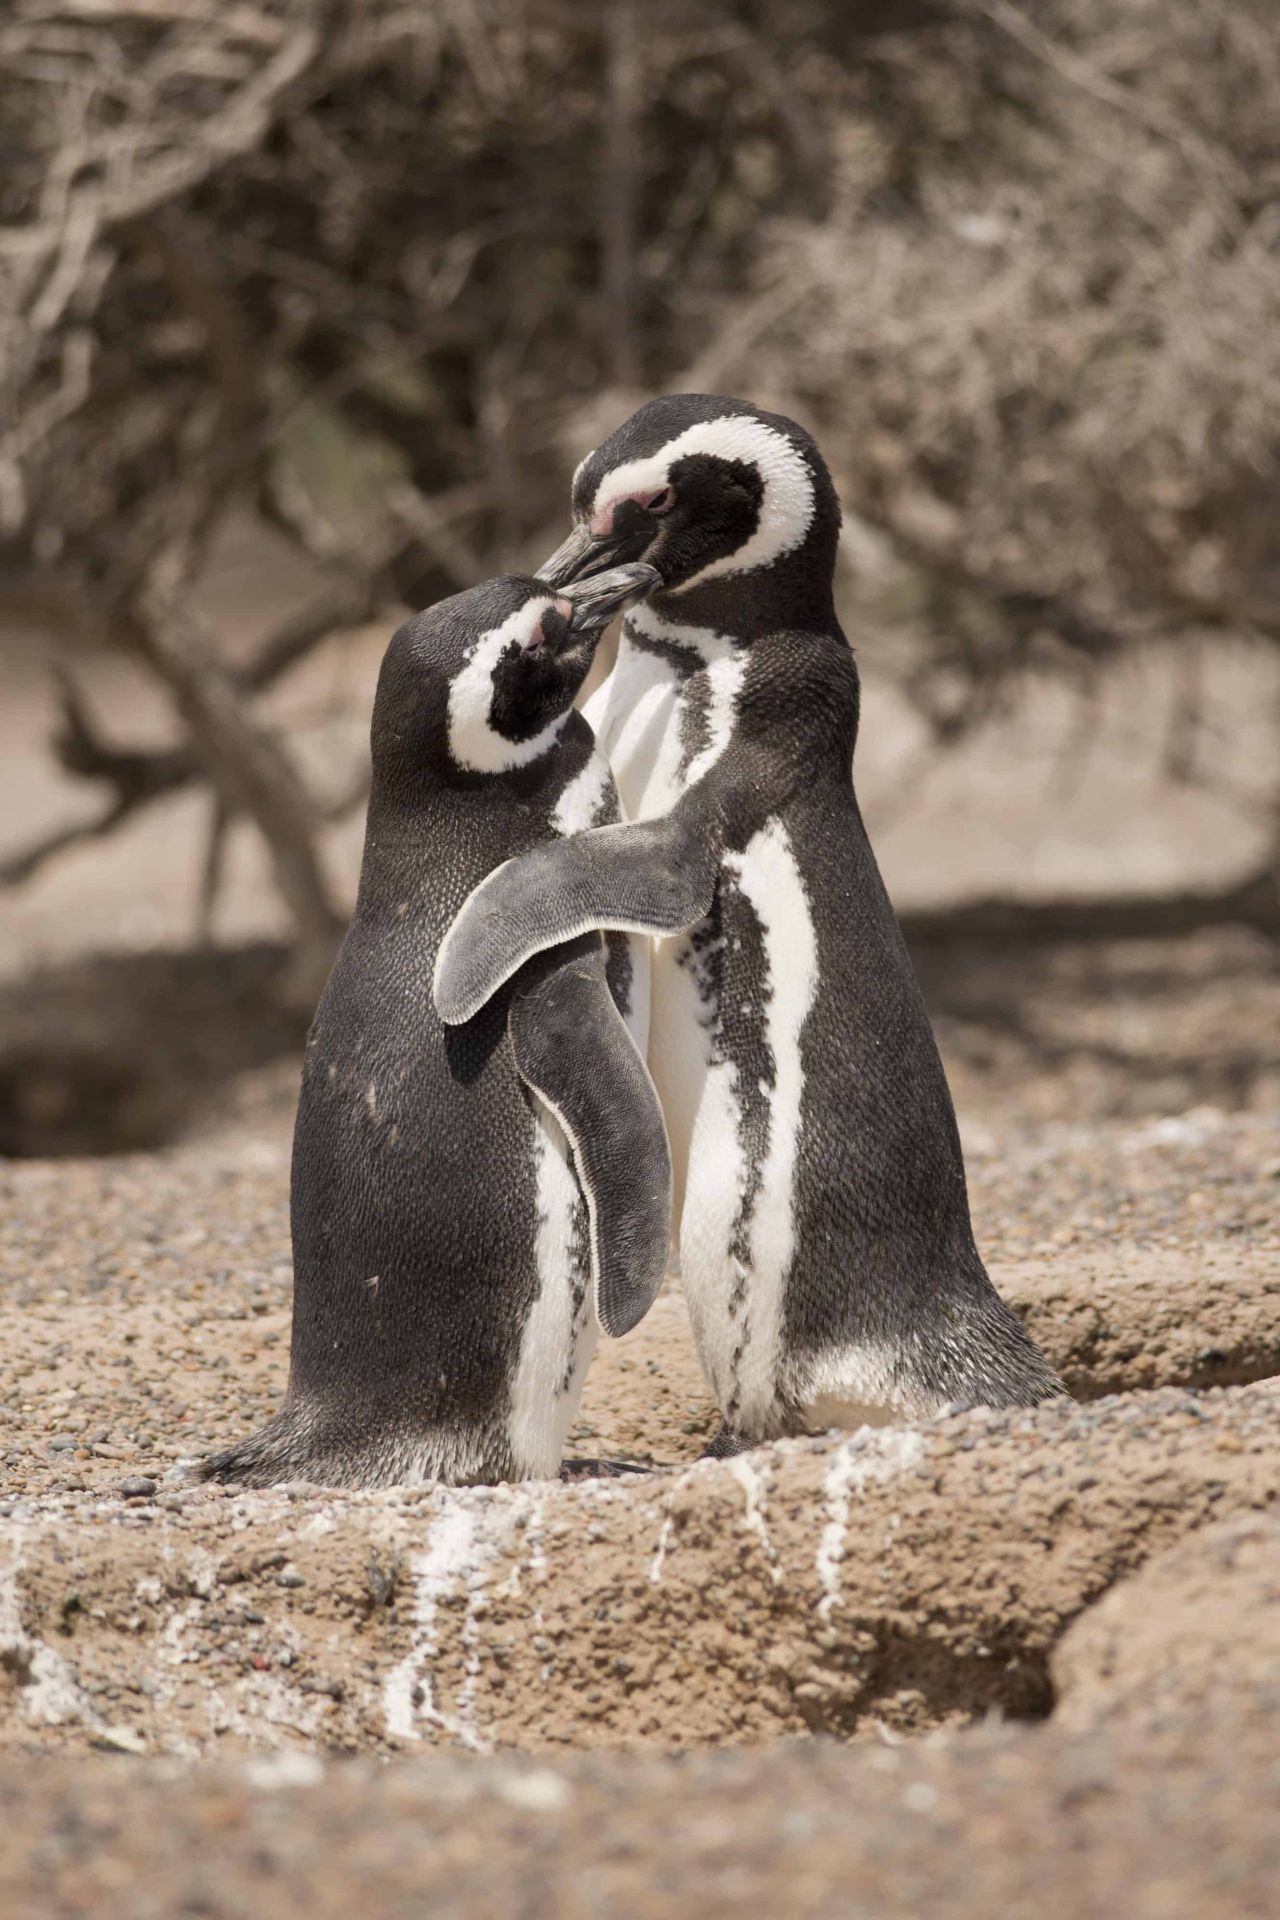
pixel 572 1047
pixel 655 876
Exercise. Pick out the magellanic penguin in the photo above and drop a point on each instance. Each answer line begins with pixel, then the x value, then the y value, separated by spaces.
pixel 467 1203
pixel 825 1241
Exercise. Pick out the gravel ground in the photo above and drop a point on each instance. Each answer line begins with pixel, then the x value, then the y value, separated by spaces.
pixel 144 1298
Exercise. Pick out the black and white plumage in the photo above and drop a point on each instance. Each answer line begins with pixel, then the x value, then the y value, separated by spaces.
pixel 467 1203
pixel 825 1240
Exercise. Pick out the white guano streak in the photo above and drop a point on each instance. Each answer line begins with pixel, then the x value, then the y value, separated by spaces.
pixel 754 1488
pixel 50 1695
pixel 855 1464
pixel 455 1553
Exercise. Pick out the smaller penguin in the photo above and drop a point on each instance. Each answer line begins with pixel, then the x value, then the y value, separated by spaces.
pixel 468 1203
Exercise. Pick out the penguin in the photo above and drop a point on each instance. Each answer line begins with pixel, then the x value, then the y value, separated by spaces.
pixel 825 1241
pixel 469 1203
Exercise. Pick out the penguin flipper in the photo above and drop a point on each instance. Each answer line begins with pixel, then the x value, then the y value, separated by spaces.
pixel 572 1047
pixel 652 876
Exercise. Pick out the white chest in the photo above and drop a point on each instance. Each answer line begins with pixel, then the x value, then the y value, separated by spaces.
pixel 662 723
pixel 663 727
pixel 733 1117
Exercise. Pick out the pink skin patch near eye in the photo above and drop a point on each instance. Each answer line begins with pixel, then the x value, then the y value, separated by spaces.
pixel 537 637
pixel 652 499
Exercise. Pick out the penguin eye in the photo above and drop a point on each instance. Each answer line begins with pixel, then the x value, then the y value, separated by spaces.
pixel 551 629
pixel 660 502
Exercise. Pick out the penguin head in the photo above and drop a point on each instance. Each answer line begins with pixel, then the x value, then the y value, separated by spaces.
pixel 705 490
pixel 483 682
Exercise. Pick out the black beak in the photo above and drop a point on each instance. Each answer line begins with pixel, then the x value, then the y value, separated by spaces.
pixel 596 600
pixel 585 553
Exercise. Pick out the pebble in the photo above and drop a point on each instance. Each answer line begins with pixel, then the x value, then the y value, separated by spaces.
pixel 119 1740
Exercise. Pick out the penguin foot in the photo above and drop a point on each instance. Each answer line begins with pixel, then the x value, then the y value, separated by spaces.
pixel 273 1454
pixel 725 1444
pixel 575 1470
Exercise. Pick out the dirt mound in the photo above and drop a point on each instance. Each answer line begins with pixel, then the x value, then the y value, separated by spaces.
pixel 894 1579
pixel 1200 1623
pixel 227 1703
pixel 1112 1322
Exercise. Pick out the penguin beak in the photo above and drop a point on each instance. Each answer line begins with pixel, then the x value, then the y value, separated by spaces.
pixel 596 600
pixel 585 553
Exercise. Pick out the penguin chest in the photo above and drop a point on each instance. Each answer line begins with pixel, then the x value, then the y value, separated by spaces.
pixel 560 1329
pixel 634 718
pixel 750 974
pixel 662 726
pixel 664 730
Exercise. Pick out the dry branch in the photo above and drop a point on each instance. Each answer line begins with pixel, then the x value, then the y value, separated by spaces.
pixel 350 265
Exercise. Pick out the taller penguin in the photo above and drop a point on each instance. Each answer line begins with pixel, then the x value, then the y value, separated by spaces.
pixel 467 1204
pixel 825 1239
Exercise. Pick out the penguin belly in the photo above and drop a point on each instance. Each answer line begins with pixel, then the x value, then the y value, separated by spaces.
pixel 560 1331
pixel 729 1001
pixel 635 717
pixel 591 800
pixel 756 961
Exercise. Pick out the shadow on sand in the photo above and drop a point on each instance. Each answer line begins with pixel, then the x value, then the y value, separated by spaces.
pixel 122 1052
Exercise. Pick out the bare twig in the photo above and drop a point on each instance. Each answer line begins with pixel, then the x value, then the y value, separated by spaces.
pixel 619 187
pixel 250 775
pixel 214 863
pixel 1215 167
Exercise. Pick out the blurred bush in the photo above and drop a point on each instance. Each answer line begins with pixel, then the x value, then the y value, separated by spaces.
pixel 380 272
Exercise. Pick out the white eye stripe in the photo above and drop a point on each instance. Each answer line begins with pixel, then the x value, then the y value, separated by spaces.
pixel 473 741
pixel 786 510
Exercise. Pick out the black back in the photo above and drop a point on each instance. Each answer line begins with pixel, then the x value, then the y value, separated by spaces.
pixel 413 1179
pixel 884 1254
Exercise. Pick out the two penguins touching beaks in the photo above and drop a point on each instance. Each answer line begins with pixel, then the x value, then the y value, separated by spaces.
pixel 619 971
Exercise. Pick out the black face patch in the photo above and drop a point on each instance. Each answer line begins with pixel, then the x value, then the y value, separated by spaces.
pixel 410 732
pixel 713 516
pixel 533 685
pixel 716 511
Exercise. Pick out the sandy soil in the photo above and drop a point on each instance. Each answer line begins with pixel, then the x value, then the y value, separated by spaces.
pixel 1151 1824
pixel 144 1298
